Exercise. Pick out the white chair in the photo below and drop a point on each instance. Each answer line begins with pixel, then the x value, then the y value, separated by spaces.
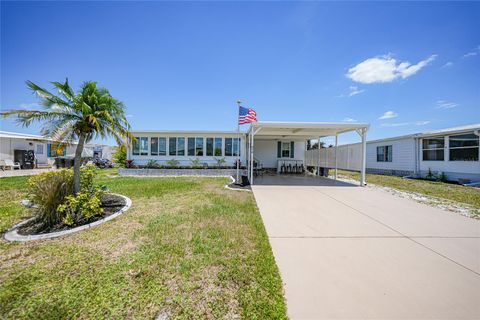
pixel 9 163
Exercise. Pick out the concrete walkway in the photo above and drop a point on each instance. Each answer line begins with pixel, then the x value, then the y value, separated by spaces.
pixel 346 252
pixel 23 172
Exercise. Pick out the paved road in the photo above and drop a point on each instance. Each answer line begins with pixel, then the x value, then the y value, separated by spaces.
pixel 346 252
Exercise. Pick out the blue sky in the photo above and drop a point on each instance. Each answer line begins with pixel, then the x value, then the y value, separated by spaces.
pixel 402 67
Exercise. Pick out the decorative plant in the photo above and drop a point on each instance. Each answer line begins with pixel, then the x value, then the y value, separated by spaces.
pixel 443 177
pixel 430 175
pixel 129 164
pixel 76 117
pixel 152 164
pixel 120 155
pixel 172 163
pixel 48 191
pixel 221 162
pixel 195 163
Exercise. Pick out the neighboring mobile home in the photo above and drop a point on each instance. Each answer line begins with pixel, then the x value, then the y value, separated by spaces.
pixel 43 148
pixel 453 151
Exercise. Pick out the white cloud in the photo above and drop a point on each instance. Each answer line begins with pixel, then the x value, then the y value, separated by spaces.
pixel 354 91
pixel 349 120
pixel 401 124
pixel 470 54
pixel 385 69
pixel 389 115
pixel 442 104
pixel 448 64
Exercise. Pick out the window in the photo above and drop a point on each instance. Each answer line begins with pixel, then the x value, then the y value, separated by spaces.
pixel 285 149
pixel 176 146
pixel 140 146
pixel 209 151
pixel 154 146
pixel 433 149
pixel 180 146
pixel 236 147
pixel 218 147
pixel 463 147
pixel 172 146
pixel 384 154
pixel 191 146
pixel 199 146
pixel 162 146
pixel 228 147
pixel 39 149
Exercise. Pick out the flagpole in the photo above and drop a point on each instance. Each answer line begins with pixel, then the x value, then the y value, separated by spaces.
pixel 239 140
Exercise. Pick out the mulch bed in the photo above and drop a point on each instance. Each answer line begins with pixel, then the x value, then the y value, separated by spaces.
pixel 110 203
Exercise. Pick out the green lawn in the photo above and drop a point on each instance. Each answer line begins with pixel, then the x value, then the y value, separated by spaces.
pixel 187 248
pixel 458 193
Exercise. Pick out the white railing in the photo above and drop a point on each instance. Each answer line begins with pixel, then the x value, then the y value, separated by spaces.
pixel 349 157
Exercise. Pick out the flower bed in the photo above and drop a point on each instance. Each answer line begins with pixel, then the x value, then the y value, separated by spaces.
pixel 113 205
pixel 218 172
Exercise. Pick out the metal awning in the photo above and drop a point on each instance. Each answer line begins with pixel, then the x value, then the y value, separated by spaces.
pixel 272 130
pixel 301 130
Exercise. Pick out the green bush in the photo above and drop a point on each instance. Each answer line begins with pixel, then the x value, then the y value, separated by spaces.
pixel 152 164
pixel 120 155
pixel 195 163
pixel 82 207
pixel 49 190
pixel 172 163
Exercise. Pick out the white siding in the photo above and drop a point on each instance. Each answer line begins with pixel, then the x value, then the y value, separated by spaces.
pixel 265 151
pixel 186 160
pixel 403 155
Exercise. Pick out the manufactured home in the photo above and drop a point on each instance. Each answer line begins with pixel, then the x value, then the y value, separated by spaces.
pixel 43 148
pixel 271 145
pixel 452 151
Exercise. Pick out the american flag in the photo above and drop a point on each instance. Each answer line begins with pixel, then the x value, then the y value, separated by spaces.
pixel 246 115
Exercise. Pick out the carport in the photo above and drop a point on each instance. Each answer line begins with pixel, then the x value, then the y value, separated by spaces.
pixel 284 131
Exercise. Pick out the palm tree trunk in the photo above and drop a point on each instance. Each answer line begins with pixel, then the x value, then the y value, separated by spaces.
pixel 77 164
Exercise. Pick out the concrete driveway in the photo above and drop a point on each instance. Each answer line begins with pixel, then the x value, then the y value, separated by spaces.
pixel 346 252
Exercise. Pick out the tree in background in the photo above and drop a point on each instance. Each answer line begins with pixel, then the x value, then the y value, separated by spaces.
pixel 76 117
pixel 120 155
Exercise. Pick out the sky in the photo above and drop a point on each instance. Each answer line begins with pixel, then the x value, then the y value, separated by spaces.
pixel 401 67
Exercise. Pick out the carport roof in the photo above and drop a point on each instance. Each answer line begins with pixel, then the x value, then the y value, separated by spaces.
pixel 305 130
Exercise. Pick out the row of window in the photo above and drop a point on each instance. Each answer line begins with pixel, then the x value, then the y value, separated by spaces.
pixel 460 148
pixel 463 147
pixel 190 146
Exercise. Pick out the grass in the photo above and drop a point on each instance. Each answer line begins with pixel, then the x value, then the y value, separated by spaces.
pixel 188 248
pixel 448 191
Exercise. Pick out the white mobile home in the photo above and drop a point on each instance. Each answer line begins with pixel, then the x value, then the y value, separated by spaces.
pixel 453 151
pixel 268 144
pixel 42 147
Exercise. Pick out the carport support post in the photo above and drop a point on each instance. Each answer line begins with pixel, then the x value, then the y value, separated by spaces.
pixel 364 156
pixel 336 147
pixel 318 160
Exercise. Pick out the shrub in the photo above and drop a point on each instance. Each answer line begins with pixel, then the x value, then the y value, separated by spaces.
pixel 120 155
pixel 82 207
pixel 221 162
pixel 430 175
pixel 129 164
pixel 443 177
pixel 195 163
pixel 49 190
pixel 172 163
pixel 153 164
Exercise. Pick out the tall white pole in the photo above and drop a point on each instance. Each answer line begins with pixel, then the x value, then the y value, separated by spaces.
pixel 336 147
pixel 364 156
pixel 239 139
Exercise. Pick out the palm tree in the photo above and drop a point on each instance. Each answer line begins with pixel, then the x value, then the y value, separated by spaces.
pixel 68 117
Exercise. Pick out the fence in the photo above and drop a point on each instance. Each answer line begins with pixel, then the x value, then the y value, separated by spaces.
pixel 349 157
